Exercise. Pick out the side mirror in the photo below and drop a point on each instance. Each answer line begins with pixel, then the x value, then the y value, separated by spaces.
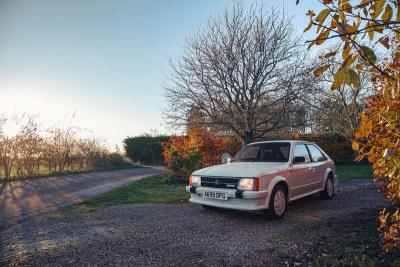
pixel 226 158
pixel 299 159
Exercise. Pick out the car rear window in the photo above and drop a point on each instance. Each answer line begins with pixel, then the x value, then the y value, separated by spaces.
pixel 316 154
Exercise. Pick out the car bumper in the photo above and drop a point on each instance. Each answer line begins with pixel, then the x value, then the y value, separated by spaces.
pixel 248 200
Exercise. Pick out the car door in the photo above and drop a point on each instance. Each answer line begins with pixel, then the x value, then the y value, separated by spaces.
pixel 300 181
pixel 318 166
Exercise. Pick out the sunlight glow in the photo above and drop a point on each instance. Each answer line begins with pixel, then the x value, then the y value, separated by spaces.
pixel 10 129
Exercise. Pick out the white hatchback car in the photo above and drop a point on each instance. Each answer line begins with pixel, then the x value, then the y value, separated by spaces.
pixel 265 176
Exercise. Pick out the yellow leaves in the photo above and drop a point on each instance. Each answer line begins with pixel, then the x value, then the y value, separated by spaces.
pixel 331 54
pixel 345 6
pixel 384 41
pixel 338 79
pixel 308 26
pixel 390 225
pixel 320 70
pixel 311 44
pixel 364 3
pixel 321 17
pixel 398 15
pixel 310 14
pixel 387 15
pixel 352 77
pixel 346 51
pixel 322 37
pixel 365 128
pixel 370 30
pixel 377 8
pixel 355 145
pixel 368 55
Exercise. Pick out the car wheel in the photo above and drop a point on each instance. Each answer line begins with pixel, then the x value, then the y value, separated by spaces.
pixel 277 203
pixel 329 189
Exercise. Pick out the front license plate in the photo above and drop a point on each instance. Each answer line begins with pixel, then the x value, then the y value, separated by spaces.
pixel 215 195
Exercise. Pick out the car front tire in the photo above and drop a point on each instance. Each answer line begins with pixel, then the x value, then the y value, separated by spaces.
pixel 329 189
pixel 277 203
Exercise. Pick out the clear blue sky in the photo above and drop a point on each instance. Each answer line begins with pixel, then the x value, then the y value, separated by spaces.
pixel 106 60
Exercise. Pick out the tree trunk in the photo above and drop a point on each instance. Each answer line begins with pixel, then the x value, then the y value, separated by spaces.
pixel 247 137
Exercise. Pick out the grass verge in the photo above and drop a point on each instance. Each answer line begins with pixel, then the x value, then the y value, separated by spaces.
pixel 153 189
pixel 156 189
pixel 346 172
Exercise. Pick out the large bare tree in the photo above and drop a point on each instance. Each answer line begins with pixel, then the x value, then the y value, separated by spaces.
pixel 242 71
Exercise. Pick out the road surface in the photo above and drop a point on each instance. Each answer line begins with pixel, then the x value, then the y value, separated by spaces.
pixel 32 197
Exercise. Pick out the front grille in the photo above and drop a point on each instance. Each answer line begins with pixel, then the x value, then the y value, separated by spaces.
pixel 220 182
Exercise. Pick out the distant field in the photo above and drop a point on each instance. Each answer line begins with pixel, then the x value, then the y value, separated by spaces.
pixel 353 171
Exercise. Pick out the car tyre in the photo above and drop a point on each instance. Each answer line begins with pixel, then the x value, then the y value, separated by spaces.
pixel 277 203
pixel 329 189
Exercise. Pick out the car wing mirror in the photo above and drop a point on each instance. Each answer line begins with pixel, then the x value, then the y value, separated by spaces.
pixel 299 159
pixel 226 158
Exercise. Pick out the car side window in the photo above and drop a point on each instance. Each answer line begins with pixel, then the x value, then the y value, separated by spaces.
pixel 316 154
pixel 301 151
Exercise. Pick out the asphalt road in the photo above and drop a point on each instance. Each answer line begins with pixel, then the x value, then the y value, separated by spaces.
pixel 32 197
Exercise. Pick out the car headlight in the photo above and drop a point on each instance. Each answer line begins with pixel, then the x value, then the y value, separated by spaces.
pixel 195 181
pixel 249 184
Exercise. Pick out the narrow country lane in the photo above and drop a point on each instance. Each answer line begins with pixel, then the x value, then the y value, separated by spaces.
pixel 31 197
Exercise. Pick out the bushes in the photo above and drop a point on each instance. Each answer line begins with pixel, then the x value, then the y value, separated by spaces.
pixel 337 146
pixel 112 160
pixel 200 148
pixel 145 148
pixel 378 140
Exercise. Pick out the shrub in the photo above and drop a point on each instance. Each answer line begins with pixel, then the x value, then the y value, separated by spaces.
pixel 145 148
pixel 200 148
pixel 378 139
pixel 337 146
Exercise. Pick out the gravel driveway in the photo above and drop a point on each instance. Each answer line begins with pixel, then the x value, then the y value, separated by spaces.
pixel 186 234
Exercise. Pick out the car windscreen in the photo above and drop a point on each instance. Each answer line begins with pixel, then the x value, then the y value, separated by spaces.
pixel 264 152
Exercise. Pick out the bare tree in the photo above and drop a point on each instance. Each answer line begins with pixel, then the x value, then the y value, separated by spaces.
pixel 336 110
pixel 28 147
pixel 242 72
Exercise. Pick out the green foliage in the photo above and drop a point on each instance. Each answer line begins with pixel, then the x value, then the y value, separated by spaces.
pixel 112 160
pixel 145 148
pixel 154 189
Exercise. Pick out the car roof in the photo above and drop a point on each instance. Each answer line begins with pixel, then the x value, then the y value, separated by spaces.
pixel 283 141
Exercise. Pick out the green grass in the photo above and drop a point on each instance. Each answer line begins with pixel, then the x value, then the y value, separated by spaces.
pixel 156 189
pixel 153 189
pixel 347 172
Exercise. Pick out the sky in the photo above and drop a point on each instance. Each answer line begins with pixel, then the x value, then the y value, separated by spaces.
pixel 104 61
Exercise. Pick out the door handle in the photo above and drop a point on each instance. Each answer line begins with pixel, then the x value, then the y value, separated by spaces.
pixel 312 169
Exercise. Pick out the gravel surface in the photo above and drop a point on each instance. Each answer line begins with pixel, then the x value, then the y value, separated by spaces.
pixel 186 234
